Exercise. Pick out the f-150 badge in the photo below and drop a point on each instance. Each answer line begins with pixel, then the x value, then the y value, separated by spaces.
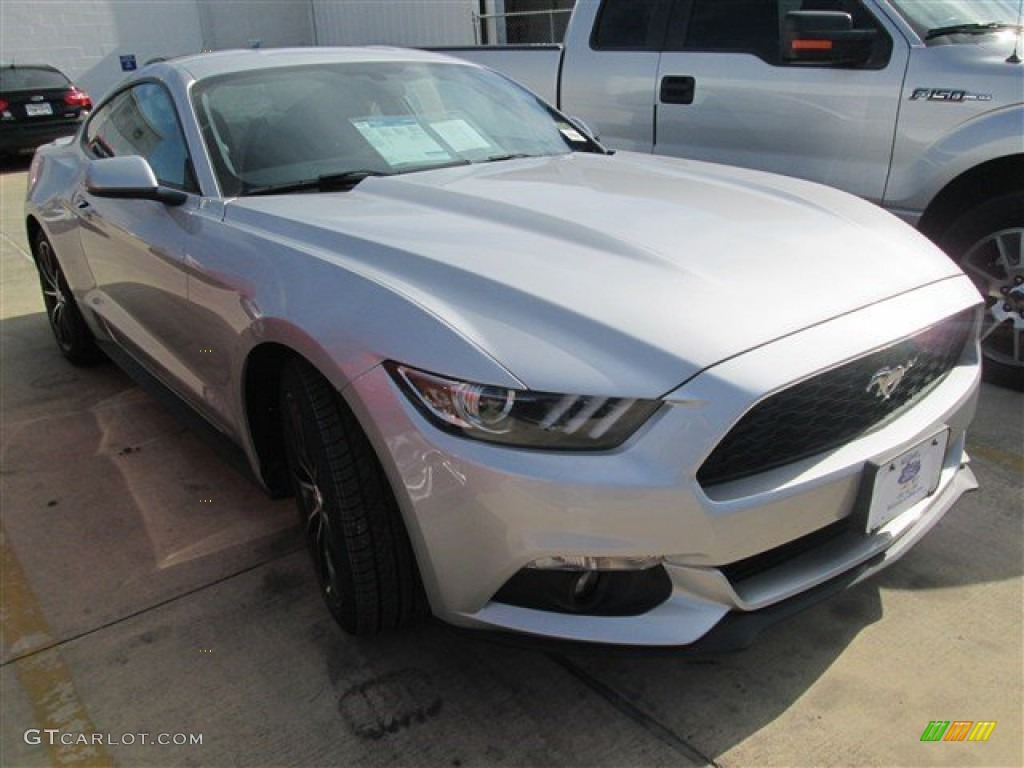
pixel 948 94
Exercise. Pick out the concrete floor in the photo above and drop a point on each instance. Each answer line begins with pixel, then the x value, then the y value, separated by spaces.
pixel 149 589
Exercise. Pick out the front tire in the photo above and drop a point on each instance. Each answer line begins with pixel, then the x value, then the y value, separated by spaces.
pixel 364 563
pixel 987 242
pixel 73 336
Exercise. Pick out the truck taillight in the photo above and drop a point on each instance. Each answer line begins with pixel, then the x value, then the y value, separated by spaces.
pixel 78 98
pixel 3 105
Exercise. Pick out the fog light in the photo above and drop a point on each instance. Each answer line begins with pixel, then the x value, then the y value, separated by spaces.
pixel 586 563
pixel 586 591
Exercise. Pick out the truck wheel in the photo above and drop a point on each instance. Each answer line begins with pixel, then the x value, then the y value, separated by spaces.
pixel 73 336
pixel 988 244
pixel 364 563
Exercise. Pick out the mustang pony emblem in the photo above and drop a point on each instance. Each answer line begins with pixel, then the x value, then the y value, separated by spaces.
pixel 888 379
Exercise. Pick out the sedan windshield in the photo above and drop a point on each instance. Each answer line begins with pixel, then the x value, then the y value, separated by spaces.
pixel 327 126
pixel 940 20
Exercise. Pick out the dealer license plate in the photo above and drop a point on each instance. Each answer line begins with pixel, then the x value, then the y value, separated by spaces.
pixel 903 481
pixel 36 110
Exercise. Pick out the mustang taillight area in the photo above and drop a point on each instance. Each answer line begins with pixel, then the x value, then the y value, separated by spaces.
pixel 522 417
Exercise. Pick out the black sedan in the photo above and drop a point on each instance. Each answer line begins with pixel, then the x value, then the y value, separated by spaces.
pixel 37 105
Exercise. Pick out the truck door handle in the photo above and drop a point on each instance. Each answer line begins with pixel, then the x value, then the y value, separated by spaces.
pixel 677 89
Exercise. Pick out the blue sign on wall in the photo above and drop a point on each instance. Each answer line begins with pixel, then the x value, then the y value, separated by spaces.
pixel 128 63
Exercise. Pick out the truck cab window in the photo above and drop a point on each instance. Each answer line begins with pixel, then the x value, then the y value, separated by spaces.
pixel 747 26
pixel 629 25
pixel 755 26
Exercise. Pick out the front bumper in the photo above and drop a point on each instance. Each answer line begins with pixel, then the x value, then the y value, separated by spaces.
pixel 26 137
pixel 477 514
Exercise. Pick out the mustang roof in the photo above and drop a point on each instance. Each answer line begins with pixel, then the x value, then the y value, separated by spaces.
pixel 203 65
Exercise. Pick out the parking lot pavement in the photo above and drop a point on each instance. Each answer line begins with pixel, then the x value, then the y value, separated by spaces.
pixel 150 589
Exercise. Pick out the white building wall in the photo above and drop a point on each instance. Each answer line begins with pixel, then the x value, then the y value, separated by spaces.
pixel 413 23
pixel 86 38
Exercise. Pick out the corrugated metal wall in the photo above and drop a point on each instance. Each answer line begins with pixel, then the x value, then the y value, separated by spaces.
pixel 394 22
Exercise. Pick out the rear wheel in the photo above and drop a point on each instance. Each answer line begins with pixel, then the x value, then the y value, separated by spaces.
pixel 73 336
pixel 361 553
pixel 988 244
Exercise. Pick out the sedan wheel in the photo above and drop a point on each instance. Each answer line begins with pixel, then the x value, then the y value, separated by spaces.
pixel 73 336
pixel 361 553
pixel 990 242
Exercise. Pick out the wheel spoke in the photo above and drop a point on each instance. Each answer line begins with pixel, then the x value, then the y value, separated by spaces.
pixel 1004 256
pixel 996 265
pixel 989 328
pixel 57 315
pixel 987 283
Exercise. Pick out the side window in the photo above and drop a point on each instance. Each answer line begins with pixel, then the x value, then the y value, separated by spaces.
pixel 742 26
pixel 142 121
pixel 631 25
pixel 755 26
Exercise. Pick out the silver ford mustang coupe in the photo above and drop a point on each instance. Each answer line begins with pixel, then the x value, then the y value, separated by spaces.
pixel 513 379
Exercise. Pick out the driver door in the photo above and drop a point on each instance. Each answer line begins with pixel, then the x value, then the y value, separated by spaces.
pixel 135 248
pixel 727 94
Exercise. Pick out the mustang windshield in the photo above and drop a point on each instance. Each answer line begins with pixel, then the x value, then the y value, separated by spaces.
pixel 941 20
pixel 289 129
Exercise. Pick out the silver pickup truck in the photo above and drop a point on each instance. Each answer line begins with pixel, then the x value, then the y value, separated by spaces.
pixel 917 105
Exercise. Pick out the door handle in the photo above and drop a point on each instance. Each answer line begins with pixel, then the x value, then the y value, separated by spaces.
pixel 82 206
pixel 677 89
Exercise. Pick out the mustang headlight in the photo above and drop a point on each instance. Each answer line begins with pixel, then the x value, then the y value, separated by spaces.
pixel 522 417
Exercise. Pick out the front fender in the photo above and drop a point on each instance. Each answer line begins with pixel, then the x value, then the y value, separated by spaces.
pixel 57 174
pixel 920 173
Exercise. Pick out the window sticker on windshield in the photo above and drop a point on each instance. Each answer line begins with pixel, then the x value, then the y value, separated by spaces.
pixel 572 135
pixel 460 135
pixel 401 140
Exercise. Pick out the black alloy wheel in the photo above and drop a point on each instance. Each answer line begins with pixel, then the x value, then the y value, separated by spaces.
pixel 364 563
pixel 73 336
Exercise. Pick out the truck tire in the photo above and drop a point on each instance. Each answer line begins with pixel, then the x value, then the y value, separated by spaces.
pixel 364 563
pixel 987 242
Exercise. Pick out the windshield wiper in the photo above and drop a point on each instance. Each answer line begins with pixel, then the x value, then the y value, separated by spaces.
pixel 510 156
pixel 969 29
pixel 329 182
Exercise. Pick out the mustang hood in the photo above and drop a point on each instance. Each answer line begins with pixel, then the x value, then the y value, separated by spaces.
pixel 609 275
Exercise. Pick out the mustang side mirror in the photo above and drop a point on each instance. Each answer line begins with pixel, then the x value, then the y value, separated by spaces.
pixel 826 37
pixel 128 178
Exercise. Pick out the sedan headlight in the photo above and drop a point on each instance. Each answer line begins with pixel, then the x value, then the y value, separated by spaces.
pixel 522 417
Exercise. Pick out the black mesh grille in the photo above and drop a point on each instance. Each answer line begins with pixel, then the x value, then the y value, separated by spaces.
pixel 832 408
